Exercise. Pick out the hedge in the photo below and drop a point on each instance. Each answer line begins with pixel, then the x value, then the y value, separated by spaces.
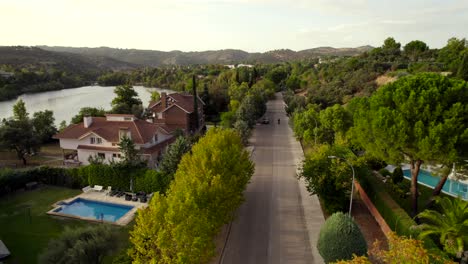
pixel 11 180
pixel 119 177
pixel 116 176
pixel 397 218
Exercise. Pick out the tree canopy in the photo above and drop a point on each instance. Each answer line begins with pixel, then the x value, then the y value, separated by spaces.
pixel 420 118
pixel 125 100
pixel 208 187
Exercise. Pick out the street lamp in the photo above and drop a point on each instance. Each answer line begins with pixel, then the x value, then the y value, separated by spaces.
pixel 352 184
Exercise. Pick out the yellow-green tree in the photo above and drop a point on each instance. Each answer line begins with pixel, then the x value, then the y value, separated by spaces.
pixel 207 189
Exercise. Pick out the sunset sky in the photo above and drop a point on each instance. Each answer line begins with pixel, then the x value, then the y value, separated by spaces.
pixel 251 25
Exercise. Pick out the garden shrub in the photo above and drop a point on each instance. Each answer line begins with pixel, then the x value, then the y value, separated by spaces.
pixel 82 245
pixel 340 238
pixel 397 175
pixel 385 172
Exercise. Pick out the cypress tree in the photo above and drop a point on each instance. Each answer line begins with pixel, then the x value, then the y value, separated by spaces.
pixel 195 102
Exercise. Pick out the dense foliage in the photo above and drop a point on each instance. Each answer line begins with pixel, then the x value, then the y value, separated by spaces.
pixel 329 178
pixel 421 118
pixel 401 249
pixel 449 223
pixel 83 245
pixel 207 189
pixel 23 134
pixel 340 238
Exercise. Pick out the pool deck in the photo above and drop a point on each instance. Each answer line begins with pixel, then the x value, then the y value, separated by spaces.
pixel 102 197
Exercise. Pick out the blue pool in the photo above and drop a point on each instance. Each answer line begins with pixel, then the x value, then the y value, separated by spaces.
pixel 450 187
pixel 93 209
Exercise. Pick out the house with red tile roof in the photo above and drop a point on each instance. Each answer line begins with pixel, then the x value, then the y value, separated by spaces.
pixel 100 136
pixel 177 111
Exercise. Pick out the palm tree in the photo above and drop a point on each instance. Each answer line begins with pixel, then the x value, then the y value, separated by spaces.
pixel 450 223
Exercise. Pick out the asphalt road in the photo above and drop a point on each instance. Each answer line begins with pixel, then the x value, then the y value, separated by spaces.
pixel 271 226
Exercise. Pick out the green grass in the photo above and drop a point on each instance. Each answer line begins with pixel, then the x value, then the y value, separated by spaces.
pixel 405 203
pixel 26 237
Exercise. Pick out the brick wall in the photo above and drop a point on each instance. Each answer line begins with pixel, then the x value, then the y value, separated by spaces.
pixel 375 213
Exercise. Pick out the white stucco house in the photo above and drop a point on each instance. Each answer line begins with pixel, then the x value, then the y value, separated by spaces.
pixel 100 136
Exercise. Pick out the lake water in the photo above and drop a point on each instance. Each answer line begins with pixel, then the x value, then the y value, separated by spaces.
pixel 68 102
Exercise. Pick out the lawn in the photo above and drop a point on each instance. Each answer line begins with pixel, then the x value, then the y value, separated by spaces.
pixel 49 154
pixel 26 236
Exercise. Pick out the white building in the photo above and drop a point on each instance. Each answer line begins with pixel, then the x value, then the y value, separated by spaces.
pixel 100 136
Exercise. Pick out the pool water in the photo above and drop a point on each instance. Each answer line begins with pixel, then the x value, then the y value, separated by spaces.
pixel 450 187
pixel 93 209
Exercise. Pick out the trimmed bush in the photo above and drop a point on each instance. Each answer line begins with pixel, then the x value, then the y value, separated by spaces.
pixel 340 238
pixel 397 175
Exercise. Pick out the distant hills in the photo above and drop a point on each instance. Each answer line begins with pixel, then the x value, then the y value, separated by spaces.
pixel 34 57
pixel 156 58
pixel 83 60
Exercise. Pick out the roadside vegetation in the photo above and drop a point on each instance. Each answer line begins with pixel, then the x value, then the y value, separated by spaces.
pixel 419 117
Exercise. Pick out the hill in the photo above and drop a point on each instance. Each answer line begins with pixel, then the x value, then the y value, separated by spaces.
pixel 34 57
pixel 156 58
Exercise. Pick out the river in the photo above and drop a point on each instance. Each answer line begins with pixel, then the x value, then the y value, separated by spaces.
pixel 68 102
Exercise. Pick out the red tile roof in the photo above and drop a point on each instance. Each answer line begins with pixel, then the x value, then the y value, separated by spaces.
pixel 141 131
pixel 184 101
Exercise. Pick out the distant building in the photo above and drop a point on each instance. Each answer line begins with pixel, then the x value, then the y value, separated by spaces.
pixel 100 136
pixel 176 111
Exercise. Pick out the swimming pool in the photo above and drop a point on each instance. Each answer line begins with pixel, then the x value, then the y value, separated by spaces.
pixel 450 187
pixel 93 209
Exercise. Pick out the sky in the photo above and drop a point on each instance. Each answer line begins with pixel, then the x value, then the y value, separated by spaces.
pixel 250 25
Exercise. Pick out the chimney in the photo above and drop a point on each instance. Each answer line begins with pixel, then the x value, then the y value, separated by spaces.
pixel 87 121
pixel 163 100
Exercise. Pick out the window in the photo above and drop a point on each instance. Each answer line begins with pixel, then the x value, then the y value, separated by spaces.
pixel 94 140
pixel 155 138
pixel 101 155
pixel 116 155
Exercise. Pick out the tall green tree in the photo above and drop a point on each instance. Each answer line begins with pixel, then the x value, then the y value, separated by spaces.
pixel 207 188
pixel 87 111
pixel 126 97
pixel 463 67
pixel 195 102
pixel 449 223
pixel 450 55
pixel 19 110
pixel 330 179
pixel 43 125
pixel 415 48
pixel 420 118
pixel 18 135
pixel 129 151
pixel 171 159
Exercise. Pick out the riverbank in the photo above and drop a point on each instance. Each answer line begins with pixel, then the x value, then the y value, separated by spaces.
pixel 66 103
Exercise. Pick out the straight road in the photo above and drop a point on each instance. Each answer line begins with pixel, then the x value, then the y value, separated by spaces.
pixel 279 222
